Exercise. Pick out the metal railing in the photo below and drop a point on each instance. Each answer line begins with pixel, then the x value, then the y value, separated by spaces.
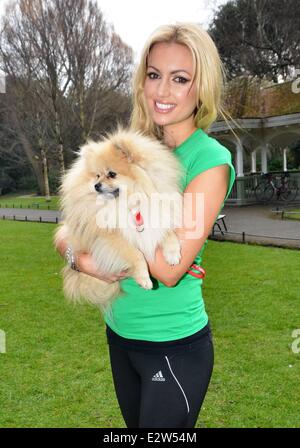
pixel 243 190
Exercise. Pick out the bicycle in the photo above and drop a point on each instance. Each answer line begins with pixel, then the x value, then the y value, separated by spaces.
pixel 287 188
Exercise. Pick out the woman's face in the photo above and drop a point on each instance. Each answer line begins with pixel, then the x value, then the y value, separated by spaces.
pixel 169 88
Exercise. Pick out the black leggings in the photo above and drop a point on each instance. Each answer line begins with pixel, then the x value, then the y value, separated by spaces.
pixel 163 387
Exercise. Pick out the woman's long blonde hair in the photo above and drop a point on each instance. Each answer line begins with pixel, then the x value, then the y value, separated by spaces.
pixel 209 77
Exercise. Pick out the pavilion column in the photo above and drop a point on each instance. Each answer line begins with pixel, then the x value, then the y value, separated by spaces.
pixel 240 179
pixel 285 150
pixel 239 160
pixel 253 162
pixel 264 160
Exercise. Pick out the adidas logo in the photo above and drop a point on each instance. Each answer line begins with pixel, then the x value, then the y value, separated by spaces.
pixel 158 377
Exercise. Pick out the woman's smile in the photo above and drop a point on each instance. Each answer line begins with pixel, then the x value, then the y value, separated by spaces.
pixel 163 108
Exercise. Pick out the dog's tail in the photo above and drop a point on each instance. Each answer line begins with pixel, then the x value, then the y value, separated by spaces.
pixel 79 287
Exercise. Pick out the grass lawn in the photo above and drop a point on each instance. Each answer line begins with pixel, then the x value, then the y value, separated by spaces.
pixel 56 373
pixel 28 201
pixel 294 215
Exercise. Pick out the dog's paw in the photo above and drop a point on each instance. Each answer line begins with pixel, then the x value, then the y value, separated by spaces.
pixel 145 282
pixel 172 257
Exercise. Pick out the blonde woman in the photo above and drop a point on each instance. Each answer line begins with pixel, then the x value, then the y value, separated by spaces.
pixel 160 342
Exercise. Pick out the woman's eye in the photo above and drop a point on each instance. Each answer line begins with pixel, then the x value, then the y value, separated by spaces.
pixel 181 80
pixel 152 75
pixel 111 174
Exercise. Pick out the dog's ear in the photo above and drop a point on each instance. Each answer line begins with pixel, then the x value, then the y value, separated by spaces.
pixel 124 151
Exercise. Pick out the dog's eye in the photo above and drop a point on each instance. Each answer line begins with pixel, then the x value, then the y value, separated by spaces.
pixel 111 174
pixel 97 176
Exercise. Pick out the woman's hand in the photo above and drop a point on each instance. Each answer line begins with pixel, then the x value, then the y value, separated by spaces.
pixel 86 264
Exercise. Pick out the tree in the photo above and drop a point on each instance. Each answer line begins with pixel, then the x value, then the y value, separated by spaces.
pixel 64 63
pixel 259 37
pixel 97 60
pixel 19 128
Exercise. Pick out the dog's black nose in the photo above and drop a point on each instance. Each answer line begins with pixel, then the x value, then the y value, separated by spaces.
pixel 98 187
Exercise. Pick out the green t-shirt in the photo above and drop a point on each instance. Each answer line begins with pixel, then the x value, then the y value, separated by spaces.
pixel 163 313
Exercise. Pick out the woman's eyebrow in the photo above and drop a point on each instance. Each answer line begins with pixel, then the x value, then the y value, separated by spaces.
pixel 172 72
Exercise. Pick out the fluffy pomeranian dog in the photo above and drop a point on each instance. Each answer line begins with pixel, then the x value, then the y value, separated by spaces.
pixel 120 200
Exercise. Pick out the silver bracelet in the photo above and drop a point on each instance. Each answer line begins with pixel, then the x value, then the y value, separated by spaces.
pixel 70 258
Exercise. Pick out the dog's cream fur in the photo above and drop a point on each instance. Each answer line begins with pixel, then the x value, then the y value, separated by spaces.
pixel 145 167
